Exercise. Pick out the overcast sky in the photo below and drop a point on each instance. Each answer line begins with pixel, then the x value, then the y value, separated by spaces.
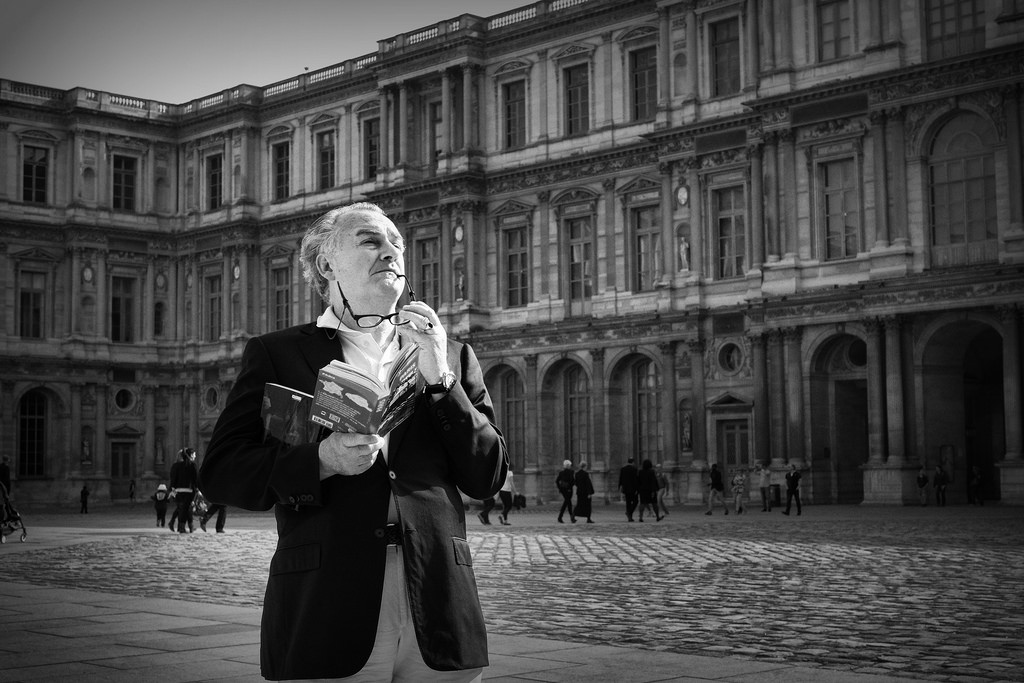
pixel 179 50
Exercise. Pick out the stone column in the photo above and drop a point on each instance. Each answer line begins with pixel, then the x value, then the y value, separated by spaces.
pixel 794 397
pixel 543 96
pixel 696 233
pixel 403 124
pixel 664 60
pixel 668 253
pixel 76 291
pixel 148 298
pixel 1014 172
pixel 759 367
pixel 148 439
pixel 600 412
pixel 771 196
pixel 468 101
pixel 548 250
pixel 100 456
pixel 881 183
pixel 768 32
pixel 446 112
pixel 533 412
pixel 756 206
pixel 670 442
pixel 75 457
pixel 791 248
pixel 692 54
pixel 385 131
pixel 752 65
pixel 784 16
pixel 874 23
pixel 894 391
pixel 1012 383
pixel 700 446
pixel 225 296
pixel 102 297
pixel 777 406
pixel 897 164
pixel 876 393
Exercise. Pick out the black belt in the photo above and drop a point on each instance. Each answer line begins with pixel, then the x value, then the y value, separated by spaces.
pixel 391 534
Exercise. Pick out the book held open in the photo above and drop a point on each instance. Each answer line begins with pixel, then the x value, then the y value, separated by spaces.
pixel 346 399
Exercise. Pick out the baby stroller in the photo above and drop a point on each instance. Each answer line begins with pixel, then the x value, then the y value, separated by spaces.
pixel 10 520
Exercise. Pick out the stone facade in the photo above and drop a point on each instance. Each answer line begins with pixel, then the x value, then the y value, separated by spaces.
pixel 695 231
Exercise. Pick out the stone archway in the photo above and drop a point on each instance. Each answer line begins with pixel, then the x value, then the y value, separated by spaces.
pixel 964 417
pixel 839 420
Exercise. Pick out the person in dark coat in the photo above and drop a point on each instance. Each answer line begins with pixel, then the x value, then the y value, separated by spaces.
pixel 584 493
pixel 373 572
pixel 647 485
pixel 792 489
pixel 716 489
pixel 184 484
pixel 83 497
pixel 628 485
pixel 564 482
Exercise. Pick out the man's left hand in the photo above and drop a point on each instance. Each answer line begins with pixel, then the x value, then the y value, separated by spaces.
pixel 425 330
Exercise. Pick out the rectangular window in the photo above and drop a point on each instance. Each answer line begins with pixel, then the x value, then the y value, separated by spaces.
pixel 214 307
pixel 725 57
pixel 734 443
pixel 514 98
pixel 281 159
pixel 34 171
pixel 577 99
pixel 214 181
pixel 32 430
pixel 31 296
pixel 121 457
pixel 371 147
pixel 281 297
pixel 122 308
pixel 428 271
pixel 325 156
pixel 577 412
pixel 835 28
pixel 840 208
pixel 436 132
pixel 512 417
pixel 643 79
pixel 963 200
pixel 647 232
pixel 729 218
pixel 517 273
pixel 647 418
pixel 581 258
pixel 954 27
pixel 124 182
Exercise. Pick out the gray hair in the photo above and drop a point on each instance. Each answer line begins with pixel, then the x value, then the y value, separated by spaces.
pixel 322 236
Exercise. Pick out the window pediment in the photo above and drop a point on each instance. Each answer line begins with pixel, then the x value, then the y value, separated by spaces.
pixel 35 254
pixel 639 34
pixel 574 51
pixel 515 67
pixel 513 206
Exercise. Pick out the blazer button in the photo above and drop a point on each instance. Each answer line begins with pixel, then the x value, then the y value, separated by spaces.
pixel 391 473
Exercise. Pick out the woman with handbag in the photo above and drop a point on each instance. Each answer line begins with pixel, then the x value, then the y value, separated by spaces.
pixel 584 492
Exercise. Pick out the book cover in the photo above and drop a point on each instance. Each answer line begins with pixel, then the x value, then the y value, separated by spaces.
pixel 286 414
pixel 348 399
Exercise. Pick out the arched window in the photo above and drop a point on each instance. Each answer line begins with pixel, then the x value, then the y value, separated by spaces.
pixel 32 434
pixel 646 392
pixel 510 414
pixel 577 414
pixel 962 192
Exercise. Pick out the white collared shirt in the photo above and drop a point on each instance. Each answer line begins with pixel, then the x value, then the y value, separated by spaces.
pixel 362 350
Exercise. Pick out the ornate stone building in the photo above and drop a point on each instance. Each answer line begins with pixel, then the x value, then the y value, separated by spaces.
pixel 689 231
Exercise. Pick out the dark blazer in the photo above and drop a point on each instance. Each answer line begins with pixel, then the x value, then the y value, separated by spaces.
pixel 324 592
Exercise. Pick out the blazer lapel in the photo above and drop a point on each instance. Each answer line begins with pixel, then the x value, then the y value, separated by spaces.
pixel 321 349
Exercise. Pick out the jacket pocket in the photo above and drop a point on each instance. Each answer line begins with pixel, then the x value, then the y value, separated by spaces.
pixel 462 552
pixel 301 558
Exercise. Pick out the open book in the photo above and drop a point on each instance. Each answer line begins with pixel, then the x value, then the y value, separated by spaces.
pixel 347 399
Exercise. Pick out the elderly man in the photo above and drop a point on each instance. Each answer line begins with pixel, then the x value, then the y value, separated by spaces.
pixel 372 578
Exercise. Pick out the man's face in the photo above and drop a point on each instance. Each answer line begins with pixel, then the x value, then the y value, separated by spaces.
pixel 367 263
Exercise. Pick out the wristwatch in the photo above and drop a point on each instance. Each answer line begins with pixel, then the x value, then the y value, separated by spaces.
pixel 442 387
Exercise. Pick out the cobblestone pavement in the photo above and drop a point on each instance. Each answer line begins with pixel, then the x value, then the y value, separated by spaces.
pixel 928 594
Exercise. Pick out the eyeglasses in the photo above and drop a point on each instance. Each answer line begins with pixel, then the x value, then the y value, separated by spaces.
pixel 371 320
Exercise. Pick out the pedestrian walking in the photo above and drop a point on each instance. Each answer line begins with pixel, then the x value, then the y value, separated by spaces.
pixel 792 489
pixel 974 486
pixel 922 486
pixel 131 492
pixel 83 496
pixel 184 483
pixel 663 484
pixel 739 489
pixel 648 489
pixel 564 482
pixel 939 482
pixel 716 489
pixel 765 484
pixel 160 498
pixel 628 485
pixel 486 505
pixel 221 511
pixel 584 493
pixel 506 493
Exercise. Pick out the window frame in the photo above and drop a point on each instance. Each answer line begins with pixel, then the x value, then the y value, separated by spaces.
pixel 513 124
pixel 576 96
pixel 578 411
pixel 370 145
pixel 712 59
pixel 213 177
pixel 825 11
pixel 945 46
pixel 649 105
pixel 40 303
pixel 280 169
pixel 635 206
pixel 32 447
pixel 717 185
pixel 279 295
pixel 124 196
pixel 326 158
pixel 428 286
pixel 47 173
pixel 509 391
pixel 822 213
pixel 645 410
pixel 214 289
pixel 126 328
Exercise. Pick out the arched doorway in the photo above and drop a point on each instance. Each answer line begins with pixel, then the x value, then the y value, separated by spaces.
pixel 962 393
pixel 839 420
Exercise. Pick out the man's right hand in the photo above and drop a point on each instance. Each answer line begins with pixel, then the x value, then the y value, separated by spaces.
pixel 348 454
